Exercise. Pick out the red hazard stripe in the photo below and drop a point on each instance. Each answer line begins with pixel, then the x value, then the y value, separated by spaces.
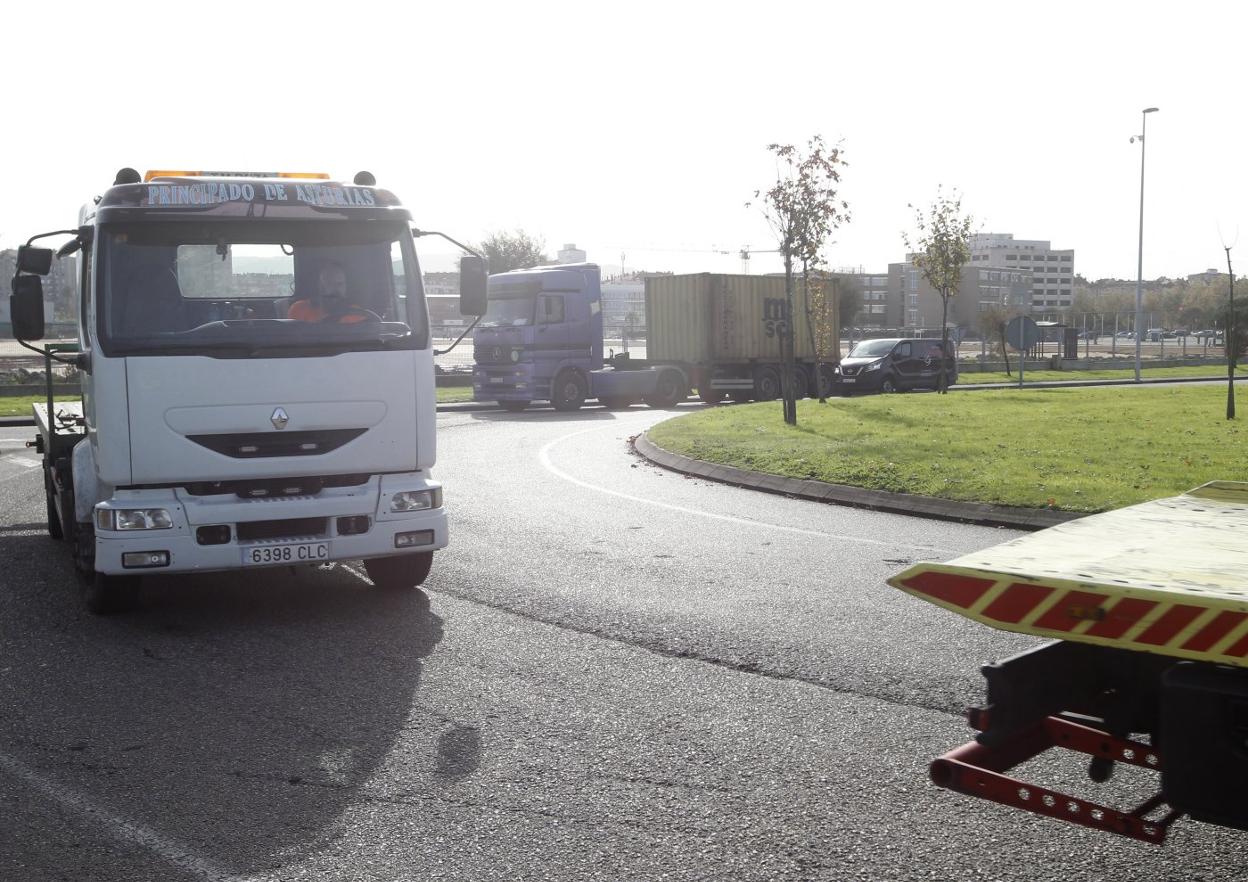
pixel 1211 633
pixel 960 591
pixel 1073 608
pixel 1239 648
pixel 1175 620
pixel 1016 601
pixel 1119 620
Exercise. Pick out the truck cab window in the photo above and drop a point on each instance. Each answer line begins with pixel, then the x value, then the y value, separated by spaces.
pixel 551 310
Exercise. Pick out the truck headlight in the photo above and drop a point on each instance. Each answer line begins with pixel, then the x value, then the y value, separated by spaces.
pixel 133 519
pixel 874 366
pixel 416 500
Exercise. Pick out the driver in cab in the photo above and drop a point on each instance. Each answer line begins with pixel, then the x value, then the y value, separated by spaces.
pixel 331 303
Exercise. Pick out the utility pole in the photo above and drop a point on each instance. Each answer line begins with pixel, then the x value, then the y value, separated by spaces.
pixel 1231 343
pixel 1139 280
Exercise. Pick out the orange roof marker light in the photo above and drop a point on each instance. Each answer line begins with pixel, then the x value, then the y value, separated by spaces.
pixel 317 176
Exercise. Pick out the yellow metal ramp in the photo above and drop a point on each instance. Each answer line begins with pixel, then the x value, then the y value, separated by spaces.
pixel 1167 577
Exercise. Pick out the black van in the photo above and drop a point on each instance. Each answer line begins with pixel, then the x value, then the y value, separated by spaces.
pixel 894 366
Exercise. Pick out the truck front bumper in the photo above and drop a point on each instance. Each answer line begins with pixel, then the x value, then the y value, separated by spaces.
pixel 213 533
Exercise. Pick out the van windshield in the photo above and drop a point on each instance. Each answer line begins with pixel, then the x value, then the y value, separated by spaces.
pixel 258 288
pixel 872 348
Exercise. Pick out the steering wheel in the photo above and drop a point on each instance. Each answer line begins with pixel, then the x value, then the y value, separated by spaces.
pixel 339 314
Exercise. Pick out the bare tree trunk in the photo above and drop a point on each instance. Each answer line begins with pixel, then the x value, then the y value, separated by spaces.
pixel 944 341
pixel 789 402
pixel 1005 352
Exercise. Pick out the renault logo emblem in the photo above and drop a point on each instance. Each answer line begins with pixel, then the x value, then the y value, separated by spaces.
pixel 279 419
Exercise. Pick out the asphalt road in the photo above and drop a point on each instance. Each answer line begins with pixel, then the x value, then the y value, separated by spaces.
pixel 617 673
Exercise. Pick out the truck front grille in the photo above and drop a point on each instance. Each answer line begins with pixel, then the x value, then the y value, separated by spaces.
pixel 250 445
pixel 283 529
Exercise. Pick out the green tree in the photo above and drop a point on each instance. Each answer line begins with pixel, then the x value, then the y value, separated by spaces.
pixel 508 251
pixel 803 210
pixel 940 247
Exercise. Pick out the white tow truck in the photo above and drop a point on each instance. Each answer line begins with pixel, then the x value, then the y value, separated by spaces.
pixel 235 411
pixel 1146 613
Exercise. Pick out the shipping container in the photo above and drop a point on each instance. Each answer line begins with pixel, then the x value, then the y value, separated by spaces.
pixel 710 318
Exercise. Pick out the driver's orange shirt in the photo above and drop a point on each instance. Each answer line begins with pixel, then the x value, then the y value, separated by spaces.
pixel 307 311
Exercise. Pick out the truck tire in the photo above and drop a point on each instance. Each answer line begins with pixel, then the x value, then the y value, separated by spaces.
pixel 669 391
pixel 105 595
pixel 399 573
pixel 766 384
pixel 615 402
pixel 888 385
pixel 54 520
pixel 513 406
pixel 711 396
pixel 568 391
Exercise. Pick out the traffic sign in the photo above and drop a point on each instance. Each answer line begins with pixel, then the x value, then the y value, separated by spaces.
pixel 1022 333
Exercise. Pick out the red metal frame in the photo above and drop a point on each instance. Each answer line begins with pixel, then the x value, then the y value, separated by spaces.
pixel 976 770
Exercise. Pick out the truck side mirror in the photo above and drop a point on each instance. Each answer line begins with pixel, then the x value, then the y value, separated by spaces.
pixel 34 260
pixel 26 307
pixel 472 285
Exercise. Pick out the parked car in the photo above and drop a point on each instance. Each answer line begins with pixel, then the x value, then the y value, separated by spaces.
pixel 1154 335
pixel 891 365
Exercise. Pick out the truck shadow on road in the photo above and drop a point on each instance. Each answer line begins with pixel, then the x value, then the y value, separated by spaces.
pixel 240 714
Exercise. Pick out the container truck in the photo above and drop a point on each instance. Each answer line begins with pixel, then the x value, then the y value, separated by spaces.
pixel 541 340
pixel 1145 610
pixel 257 381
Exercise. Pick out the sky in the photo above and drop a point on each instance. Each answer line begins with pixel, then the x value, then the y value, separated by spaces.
pixel 639 131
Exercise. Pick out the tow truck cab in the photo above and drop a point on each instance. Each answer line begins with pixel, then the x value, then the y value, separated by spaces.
pixel 215 431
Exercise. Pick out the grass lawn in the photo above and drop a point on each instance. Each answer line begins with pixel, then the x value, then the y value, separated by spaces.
pixel 968 374
pixel 1088 449
pixel 449 394
pixel 19 405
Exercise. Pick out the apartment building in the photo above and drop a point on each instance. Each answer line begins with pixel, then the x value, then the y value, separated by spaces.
pixel 1052 270
pixel 918 305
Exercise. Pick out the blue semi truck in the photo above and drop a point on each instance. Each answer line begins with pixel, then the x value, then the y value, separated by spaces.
pixel 541 340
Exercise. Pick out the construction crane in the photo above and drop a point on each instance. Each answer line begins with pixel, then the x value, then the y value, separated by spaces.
pixel 745 253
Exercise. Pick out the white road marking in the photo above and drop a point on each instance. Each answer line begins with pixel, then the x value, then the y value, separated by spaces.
pixel 120 828
pixel 544 458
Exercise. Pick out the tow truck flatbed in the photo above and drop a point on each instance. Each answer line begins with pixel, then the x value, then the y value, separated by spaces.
pixel 1168 577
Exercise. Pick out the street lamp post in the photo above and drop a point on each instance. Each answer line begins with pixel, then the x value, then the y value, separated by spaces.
pixel 1139 276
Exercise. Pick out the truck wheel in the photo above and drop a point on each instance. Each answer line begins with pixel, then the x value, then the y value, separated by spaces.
pixel 888 385
pixel 616 402
pixel 568 391
pixel 399 573
pixel 669 391
pixel 54 520
pixel 105 595
pixel 513 406
pixel 711 396
pixel 766 384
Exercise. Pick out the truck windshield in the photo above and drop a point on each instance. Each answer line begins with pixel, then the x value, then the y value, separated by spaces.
pixel 509 312
pixel 258 288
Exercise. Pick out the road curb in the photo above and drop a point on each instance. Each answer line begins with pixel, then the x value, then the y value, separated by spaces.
pixel 840 494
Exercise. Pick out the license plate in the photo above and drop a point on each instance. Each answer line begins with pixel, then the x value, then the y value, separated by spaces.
pixel 849 379
pixel 303 552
